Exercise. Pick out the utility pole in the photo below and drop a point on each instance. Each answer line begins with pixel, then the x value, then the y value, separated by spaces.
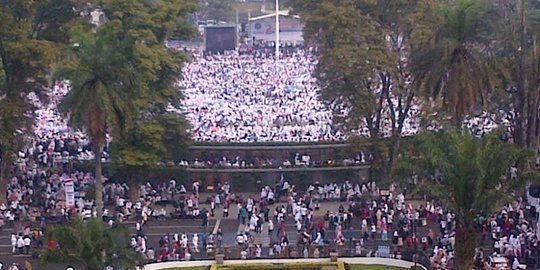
pixel 277 30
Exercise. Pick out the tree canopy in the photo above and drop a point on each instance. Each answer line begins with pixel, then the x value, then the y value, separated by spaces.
pixel 363 68
pixel 469 176
pixel 454 64
pixel 90 244
pixel 218 10
pixel 31 38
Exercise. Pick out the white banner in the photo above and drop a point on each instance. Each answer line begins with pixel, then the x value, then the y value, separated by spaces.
pixel 69 188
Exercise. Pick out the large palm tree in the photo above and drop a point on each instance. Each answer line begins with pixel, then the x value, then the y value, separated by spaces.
pixel 91 245
pixel 99 102
pixel 454 63
pixel 475 179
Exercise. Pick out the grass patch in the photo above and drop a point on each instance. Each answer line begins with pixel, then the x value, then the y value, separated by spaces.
pixel 189 268
pixel 297 266
pixel 373 267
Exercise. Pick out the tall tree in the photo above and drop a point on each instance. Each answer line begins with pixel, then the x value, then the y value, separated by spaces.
pixel 518 28
pixel 99 102
pixel 475 179
pixel 454 65
pixel 91 245
pixel 157 134
pixel 363 49
pixel 28 50
pixel 123 74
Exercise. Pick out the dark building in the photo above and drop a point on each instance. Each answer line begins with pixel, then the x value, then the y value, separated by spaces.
pixel 220 38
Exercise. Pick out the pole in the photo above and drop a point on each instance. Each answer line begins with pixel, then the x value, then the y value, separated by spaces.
pixel 277 30
pixel 415 243
pixel 237 21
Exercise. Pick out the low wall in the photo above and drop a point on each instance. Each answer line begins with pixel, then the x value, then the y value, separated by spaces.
pixel 166 265
pixel 245 178
pixel 363 260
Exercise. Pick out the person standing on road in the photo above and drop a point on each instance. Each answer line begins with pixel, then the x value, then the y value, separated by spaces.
pixel 270 227
pixel 212 207
pixel 195 242
pixel 219 237
pixel 27 242
pixel 20 244
pixel 13 243
pixel 204 216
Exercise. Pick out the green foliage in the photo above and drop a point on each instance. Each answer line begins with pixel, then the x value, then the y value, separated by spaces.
pixel 475 172
pixel 148 143
pixel 147 73
pixel 120 172
pixel 219 10
pixel 99 100
pixel 142 146
pixel 473 179
pixel 175 137
pixel 143 26
pixel 27 52
pixel 92 245
pixel 24 51
pixel 516 45
pixel 151 21
pixel 13 122
pixel 363 48
pixel 123 77
pixel 454 63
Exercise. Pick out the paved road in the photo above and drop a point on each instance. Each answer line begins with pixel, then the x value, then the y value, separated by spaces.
pixel 229 226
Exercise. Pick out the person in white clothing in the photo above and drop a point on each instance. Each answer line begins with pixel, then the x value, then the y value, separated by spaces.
pixel 195 242
pixel 27 242
pixel 20 244
pixel 13 243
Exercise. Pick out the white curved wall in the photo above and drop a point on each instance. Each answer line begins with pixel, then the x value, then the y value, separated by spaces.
pixel 363 260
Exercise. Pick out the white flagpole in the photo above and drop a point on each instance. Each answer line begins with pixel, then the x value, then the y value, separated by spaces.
pixel 277 30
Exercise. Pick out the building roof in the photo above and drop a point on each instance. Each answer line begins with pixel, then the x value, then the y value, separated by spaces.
pixel 220 26
pixel 284 13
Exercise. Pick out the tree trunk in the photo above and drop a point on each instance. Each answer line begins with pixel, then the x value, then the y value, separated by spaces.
pixel 465 245
pixel 532 135
pixel 133 188
pixel 133 193
pixel 520 137
pixel 394 152
pixel 5 163
pixel 99 184
pixel 377 164
pixel 3 181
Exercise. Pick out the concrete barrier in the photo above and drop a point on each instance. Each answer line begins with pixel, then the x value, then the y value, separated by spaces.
pixel 220 258
pixel 359 260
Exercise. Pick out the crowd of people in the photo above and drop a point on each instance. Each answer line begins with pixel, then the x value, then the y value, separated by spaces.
pixel 246 97
pixel 235 97
pixel 512 234
pixel 296 161
pixel 54 141
pixel 363 217
pixel 231 97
